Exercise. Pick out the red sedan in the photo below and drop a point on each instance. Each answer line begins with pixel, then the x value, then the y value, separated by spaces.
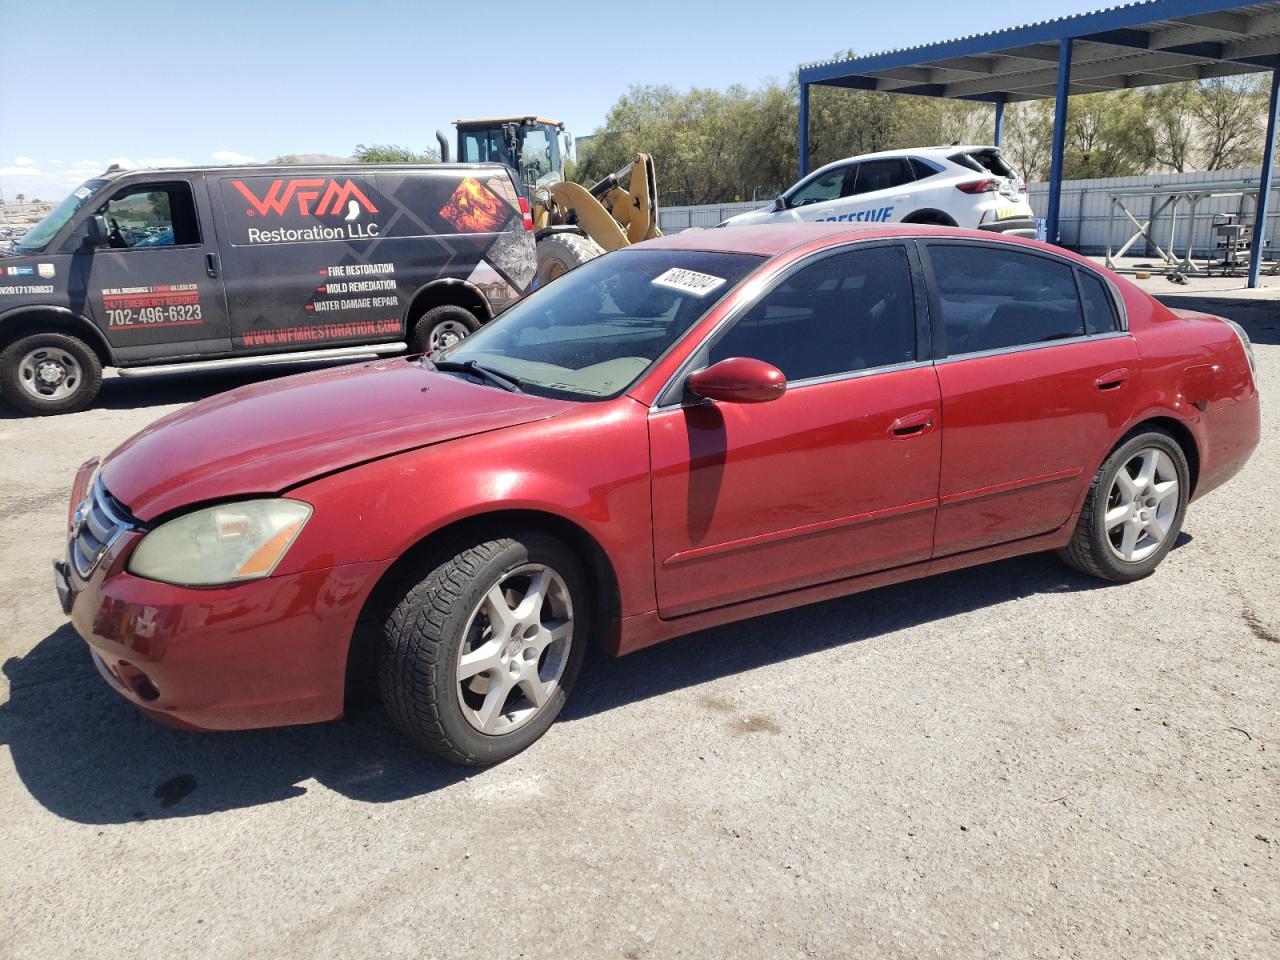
pixel 690 431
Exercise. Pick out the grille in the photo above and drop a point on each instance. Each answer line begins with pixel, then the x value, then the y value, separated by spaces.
pixel 99 520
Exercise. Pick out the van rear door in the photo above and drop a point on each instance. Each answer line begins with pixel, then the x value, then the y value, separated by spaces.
pixel 156 290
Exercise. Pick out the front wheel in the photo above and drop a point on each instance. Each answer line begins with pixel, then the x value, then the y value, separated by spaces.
pixel 49 373
pixel 1134 510
pixel 478 657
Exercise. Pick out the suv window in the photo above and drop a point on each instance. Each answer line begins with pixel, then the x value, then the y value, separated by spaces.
pixel 830 186
pixel 924 168
pixel 847 312
pixel 152 215
pixel 1099 311
pixel 993 298
pixel 883 174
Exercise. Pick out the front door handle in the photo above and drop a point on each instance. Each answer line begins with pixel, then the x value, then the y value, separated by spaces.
pixel 211 264
pixel 1112 379
pixel 912 425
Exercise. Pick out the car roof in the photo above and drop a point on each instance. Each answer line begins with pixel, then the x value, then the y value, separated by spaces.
pixel 772 239
pixel 933 153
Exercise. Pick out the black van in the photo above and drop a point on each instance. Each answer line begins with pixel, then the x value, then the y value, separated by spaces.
pixel 178 266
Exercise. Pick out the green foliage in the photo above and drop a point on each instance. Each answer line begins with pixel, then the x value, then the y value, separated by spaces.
pixel 393 153
pixel 714 146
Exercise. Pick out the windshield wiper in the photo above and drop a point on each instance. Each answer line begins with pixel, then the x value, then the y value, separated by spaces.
pixel 508 383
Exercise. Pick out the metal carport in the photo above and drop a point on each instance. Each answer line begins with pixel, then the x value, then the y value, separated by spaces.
pixel 1136 45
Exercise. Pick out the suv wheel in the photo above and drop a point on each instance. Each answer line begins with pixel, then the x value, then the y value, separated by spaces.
pixel 478 657
pixel 49 373
pixel 442 327
pixel 1134 510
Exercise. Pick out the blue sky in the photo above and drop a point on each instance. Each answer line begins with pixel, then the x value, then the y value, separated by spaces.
pixel 149 83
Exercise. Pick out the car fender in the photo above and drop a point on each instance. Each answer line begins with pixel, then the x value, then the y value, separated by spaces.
pixel 33 317
pixel 563 468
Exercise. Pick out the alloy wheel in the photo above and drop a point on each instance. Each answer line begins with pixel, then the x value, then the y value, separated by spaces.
pixel 1141 505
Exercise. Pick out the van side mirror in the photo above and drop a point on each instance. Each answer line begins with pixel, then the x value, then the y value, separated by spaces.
pixel 738 380
pixel 96 234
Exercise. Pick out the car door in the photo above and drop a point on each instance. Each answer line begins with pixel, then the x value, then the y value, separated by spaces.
pixel 838 477
pixel 1032 395
pixel 156 290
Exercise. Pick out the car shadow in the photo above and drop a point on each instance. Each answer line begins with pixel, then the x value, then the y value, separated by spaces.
pixel 1260 318
pixel 88 756
pixel 187 386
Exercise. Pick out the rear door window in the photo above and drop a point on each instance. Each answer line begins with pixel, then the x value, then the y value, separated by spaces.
pixel 992 299
pixel 883 174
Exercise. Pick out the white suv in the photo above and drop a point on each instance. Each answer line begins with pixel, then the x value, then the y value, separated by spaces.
pixel 953 186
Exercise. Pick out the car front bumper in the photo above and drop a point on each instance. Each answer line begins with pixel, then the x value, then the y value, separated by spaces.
pixel 263 653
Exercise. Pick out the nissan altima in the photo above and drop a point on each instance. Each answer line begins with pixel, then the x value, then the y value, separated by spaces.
pixel 690 431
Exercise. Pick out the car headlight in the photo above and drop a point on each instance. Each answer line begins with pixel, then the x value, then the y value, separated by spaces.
pixel 222 544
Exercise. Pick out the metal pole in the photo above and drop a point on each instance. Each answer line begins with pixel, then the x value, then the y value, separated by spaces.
pixel 804 129
pixel 1059 140
pixel 1264 187
pixel 999 122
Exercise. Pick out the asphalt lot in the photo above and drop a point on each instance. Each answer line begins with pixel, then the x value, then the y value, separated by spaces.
pixel 1008 761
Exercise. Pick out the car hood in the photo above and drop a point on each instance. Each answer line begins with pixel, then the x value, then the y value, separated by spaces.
pixel 268 437
pixel 763 215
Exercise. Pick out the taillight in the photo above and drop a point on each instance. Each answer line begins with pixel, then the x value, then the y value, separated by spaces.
pixel 979 186
pixel 525 216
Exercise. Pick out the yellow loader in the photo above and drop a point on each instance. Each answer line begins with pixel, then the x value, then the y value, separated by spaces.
pixel 572 223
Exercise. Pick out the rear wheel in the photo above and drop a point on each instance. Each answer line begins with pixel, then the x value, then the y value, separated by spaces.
pixel 442 327
pixel 1134 510
pixel 49 373
pixel 561 252
pixel 477 659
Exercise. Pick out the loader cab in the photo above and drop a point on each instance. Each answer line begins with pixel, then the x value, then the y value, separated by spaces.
pixel 534 146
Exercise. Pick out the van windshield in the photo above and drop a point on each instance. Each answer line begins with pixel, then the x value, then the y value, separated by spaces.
pixel 593 332
pixel 42 234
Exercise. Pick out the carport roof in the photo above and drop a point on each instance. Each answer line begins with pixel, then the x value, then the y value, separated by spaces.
pixel 1134 45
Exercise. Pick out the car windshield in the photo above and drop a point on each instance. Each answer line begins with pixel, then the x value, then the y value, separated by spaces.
pixel 592 333
pixel 40 236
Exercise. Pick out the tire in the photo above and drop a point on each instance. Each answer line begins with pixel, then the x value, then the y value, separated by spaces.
pixel 48 373
pixel 451 612
pixel 441 327
pixel 561 252
pixel 1144 508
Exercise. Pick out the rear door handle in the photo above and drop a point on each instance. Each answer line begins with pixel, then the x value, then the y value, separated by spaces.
pixel 912 425
pixel 211 264
pixel 1113 379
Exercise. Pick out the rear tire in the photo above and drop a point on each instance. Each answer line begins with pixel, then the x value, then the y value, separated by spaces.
pixel 442 327
pixel 561 252
pixel 46 373
pixel 1134 511
pixel 477 659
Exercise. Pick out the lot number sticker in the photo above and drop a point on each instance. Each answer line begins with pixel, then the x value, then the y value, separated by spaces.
pixel 689 281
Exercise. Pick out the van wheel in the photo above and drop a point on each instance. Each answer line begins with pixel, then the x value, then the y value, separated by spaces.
pixel 478 657
pixel 561 252
pixel 441 327
pixel 49 373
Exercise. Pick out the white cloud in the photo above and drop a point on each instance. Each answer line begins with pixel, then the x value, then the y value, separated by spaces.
pixel 49 183
pixel 24 162
pixel 149 162
pixel 231 157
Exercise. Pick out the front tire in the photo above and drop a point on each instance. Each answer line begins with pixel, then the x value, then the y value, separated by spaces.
pixel 442 327
pixel 48 373
pixel 1134 510
pixel 561 252
pixel 478 658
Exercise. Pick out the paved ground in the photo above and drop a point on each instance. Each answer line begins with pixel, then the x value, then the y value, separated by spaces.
pixel 1010 761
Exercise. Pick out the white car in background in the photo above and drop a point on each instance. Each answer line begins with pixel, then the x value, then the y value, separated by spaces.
pixel 956 186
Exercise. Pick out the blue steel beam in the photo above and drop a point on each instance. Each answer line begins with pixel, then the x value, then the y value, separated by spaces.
pixel 1264 187
pixel 999 126
pixel 804 129
pixel 1059 140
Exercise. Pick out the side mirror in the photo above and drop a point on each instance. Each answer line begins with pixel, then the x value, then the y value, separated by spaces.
pixel 738 380
pixel 779 204
pixel 96 233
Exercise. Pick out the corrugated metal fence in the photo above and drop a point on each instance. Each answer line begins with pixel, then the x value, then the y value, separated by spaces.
pixel 1086 206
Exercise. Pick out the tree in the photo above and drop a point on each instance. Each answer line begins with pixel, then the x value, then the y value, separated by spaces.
pixel 1169 117
pixel 393 153
pixel 1226 111
pixel 1028 136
